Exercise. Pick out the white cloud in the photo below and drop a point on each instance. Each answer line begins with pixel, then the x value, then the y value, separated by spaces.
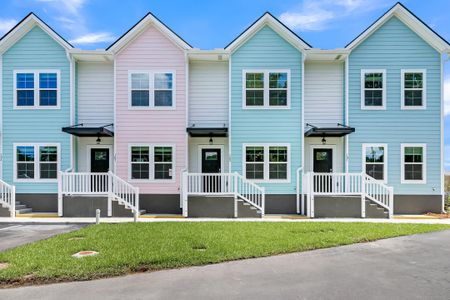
pixel 6 25
pixel 70 6
pixel 313 15
pixel 93 38
pixel 447 96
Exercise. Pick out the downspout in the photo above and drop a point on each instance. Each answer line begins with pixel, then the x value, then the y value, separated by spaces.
pixel 300 201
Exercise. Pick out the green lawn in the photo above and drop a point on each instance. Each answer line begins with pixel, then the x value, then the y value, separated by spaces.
pixel 132 247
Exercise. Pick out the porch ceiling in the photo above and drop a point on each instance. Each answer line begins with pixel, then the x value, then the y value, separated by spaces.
pixel 81 130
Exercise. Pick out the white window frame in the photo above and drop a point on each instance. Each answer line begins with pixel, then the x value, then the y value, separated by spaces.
pixel 37 89
pixel 266 73
pixel 37 161
pixel 424 164
pixel 424 89
pixel 267 162
pixel 152 163
pixel 384 90
pixel 385 163
pixel 151 78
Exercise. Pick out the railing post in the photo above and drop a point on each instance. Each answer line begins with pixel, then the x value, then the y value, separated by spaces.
pixel 136 204
pixel 110 194
pixel 60 194
pixel 13 202
pixel 311 195
pixel 184 192
pixel 391 202
pixel 263 204
pixel 363 194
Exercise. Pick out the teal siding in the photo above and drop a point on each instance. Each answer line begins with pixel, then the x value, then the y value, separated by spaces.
pixel 394 47
pixel 36 50
pixel 266 50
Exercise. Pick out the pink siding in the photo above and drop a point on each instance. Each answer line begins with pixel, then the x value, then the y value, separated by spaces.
pixel 151 51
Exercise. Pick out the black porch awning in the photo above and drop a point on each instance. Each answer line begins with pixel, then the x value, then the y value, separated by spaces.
pixel 338 131
pixel 82 130
pixel 207 132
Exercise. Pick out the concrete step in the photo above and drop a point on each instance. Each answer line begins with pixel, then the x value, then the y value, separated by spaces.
pixel 24 211
pixel 142 212
pixel 373 210
pixel 20 206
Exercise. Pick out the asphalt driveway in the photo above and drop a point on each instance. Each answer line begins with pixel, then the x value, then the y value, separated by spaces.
pixel 414 267
pixel 13 235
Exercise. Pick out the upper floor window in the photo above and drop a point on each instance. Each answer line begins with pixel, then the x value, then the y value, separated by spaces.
pixel 36 89
pixel 374 160
pixel 373 89
pixel 413 163
pixel 36 162
pixel 266 89
pixel 413 89
pixel 267 162
pixel 152 90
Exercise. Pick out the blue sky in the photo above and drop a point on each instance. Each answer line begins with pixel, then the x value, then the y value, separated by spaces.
pixel 206 24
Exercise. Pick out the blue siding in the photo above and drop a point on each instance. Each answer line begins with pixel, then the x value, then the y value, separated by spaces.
pixel 36 50
pixel 394 47
pixel 266 50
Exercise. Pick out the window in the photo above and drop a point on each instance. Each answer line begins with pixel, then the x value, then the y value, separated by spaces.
pixel 140 163
pixel 266 89
pixel 38 162
pixel 413 163
pixel 163 89
pixel 36 89
pixel 152 90
pixel 151 162
pixel 163 162
pixel 140 89
pixel 254 159
pixel 267 162
pixel 373 89
pixel 375 158
pixel 413 89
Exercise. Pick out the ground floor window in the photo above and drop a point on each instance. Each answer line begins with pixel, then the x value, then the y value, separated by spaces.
pixel 36 162
pixel 151 162
pixel 267 162
pixel 413 163
pixel 374 159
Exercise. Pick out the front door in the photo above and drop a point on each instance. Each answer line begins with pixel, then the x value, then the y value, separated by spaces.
pixel 99 164
pixel 323 163
pixel 211 163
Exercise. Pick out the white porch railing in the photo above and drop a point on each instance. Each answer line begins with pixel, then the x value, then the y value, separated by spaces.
pixel 347 184
pixel 221 184
pixel 8 197
pixel 98 184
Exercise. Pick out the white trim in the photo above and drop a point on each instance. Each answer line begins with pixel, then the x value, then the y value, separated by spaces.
pixel 221 147
pixel 37 89
pixel 423 89
pixel 151 90
pixel 409 20
pixel 115 112
pixel 424 164
pixel 384 90
pixel 229 117
pixel 266 162
pixel 333 157
pixel 151 162
pixel 36 161
pixel 442 132
pixel 346 116
pixel 88 155
pixel 385 162
pixel 1 116
pixel 266 89
pixel 276 25
pixel 137 29
pixel 72 76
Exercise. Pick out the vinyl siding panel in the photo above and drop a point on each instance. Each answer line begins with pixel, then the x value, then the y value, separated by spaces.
pixel 266 50
pixel 208 94
pixel 324 95
pixel 151 51
pixel 35 50
pixel 394 47
pixel 95 93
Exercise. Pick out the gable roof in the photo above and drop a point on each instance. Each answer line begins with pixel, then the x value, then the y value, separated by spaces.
pixel 24 26
pixel 410 20
pixel 137 28
pixel 268 19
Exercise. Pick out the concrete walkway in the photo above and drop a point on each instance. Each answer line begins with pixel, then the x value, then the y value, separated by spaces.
pixel 171 219
pixel 413 267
